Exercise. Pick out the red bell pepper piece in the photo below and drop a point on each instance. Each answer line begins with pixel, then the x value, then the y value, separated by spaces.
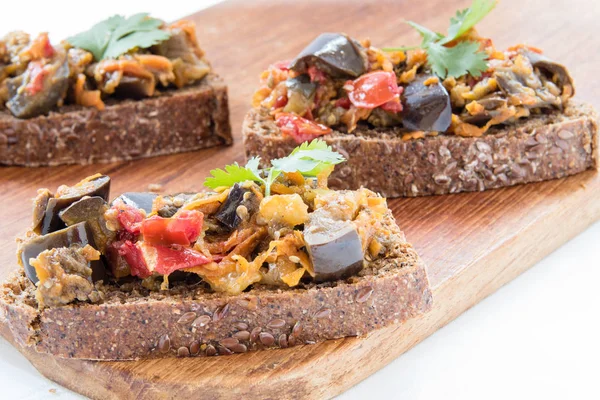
pixel 37 74
pixel 134 257
pixel 182 229
pixel 170 259
pixel 301 129
pixel 129 217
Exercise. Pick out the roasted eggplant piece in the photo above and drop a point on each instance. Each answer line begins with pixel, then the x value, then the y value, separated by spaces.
pixel 335 54
pixel 300 93
pixel 93 186
pixel 136 87
pixel 552 69
pixel 79 234
pixel 116 262
pixel 491 104
pixel 537 89
pixel 141 200
pixel 227 214
pixel 426 107
pixel 23 103
pixel 334 247
pixel 173 204
pixel 90 210
pixel 302 85
pixel 40 203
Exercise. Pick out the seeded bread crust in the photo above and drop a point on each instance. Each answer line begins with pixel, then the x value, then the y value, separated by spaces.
pixel 187 119
pixel 190 321
pixel 539 148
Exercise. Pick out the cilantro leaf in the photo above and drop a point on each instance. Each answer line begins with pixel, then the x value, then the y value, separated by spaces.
pixel 140 39
pixel 468 18
pixel 462 58
pixel 233 174
pixel 96 39
pixel 456 61
pixel 309 159
pixel 427 34
pixel 118 35
pixel 252 165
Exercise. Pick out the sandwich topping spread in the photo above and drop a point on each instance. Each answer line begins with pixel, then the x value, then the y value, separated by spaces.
pixel 279 227
pixel 456 84
pixel 120 57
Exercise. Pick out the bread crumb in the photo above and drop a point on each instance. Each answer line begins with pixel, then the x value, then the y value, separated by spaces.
pixel 155 187
pixel 53 391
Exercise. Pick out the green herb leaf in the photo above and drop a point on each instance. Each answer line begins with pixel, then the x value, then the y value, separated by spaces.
pixel 309 159
pixel 456 61
pixel 468 18
pixel 117 35
pixel 233 174
pixel 403 48
pixel 96 39
pixel 461 59
pixel 142 40
pixel 427 34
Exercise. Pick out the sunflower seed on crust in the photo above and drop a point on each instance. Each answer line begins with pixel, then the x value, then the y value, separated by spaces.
pixel 201 321
pixel 164 344
pixel 210 350
pixel 183 352
pixel 242 335
pixel 195 348
pixel 224 351
pixel 276 323
pixel 297 329
pixel 241 326
pixel 322 313
pixel 266 339
pixel 229 342
pixel 364 294
pixel 282 341
pixel 187 318
pixel 254 334
pixel 239 348
pixel 220 313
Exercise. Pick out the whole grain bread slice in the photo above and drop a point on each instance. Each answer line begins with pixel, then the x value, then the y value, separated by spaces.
pixel 539 148
pixel 189 320
pixel 175 121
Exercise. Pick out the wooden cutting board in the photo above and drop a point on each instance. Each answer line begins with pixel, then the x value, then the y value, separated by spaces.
pixel 473 243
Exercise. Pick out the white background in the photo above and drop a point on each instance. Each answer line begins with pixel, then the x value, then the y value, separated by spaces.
pixel 536 338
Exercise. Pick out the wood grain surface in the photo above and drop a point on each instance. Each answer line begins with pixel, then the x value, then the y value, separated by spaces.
pixel 472 243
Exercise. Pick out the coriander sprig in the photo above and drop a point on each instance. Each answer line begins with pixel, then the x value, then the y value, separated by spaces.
pixel 309 159
pixel 465 57
pixel 117 35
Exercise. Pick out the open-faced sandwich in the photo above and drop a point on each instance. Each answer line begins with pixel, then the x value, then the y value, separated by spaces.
pixel 452 114
pixel 127 88
pixel 268 258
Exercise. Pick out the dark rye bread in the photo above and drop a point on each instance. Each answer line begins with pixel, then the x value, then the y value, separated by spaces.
pixel 538 148
pixel 190 321
pixel 187 119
